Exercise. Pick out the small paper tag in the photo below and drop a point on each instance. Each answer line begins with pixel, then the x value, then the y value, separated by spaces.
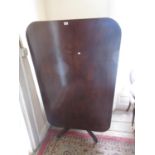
pixel 66 23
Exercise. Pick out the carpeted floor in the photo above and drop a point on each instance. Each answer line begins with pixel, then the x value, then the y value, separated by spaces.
pixel 77 143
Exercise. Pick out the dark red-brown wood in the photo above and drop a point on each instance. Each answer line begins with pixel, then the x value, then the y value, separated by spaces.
pixel 76 66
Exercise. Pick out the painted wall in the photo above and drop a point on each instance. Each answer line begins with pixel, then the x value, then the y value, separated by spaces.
pixel 121 12
pixel 29 11
pixel 71 9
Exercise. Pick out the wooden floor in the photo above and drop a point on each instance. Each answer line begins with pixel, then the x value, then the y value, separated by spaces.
pixel 121 124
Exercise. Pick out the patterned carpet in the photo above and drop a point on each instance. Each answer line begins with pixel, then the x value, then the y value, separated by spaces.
pixel 77 143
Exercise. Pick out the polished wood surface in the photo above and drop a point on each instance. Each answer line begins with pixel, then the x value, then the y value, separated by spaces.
pixel 76 67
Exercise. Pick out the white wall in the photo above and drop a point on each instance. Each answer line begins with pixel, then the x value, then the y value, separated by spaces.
pixel 125 13
pixel 29 11
pixel 73 9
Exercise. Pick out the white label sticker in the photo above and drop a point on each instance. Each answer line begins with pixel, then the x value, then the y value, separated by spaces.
pixel 66 23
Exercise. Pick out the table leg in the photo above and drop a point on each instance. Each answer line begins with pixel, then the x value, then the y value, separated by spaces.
pixel 61 133
pixel 93 136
